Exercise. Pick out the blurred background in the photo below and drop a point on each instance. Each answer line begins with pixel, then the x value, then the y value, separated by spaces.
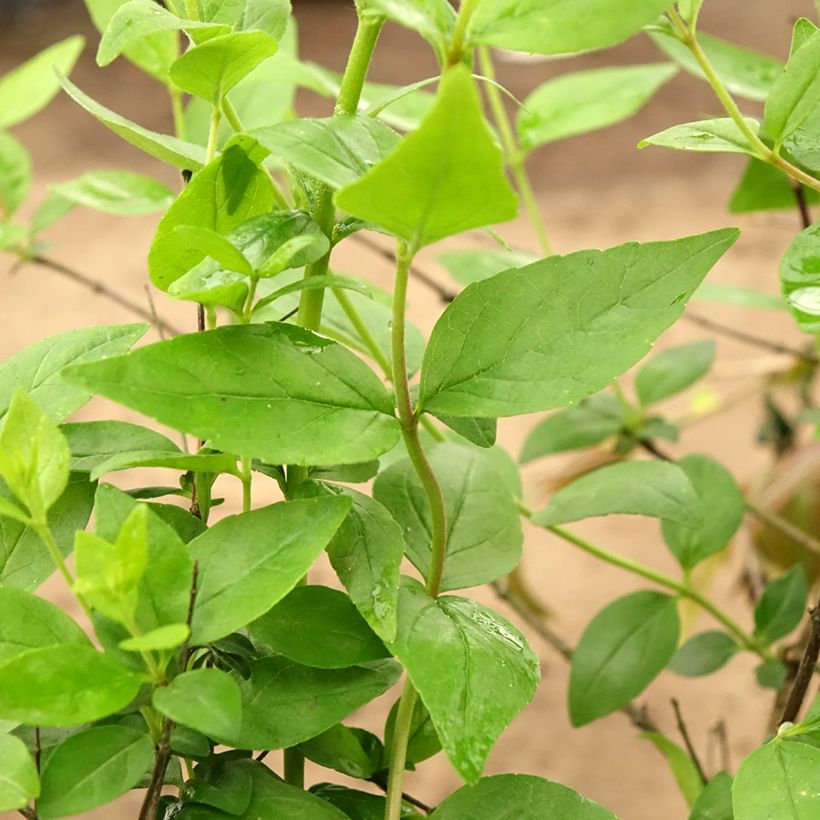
pixel 595 191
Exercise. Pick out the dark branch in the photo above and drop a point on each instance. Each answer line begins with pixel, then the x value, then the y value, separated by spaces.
pixel 687 741
pixel 805 671
pixel 802 205
pixel 148 811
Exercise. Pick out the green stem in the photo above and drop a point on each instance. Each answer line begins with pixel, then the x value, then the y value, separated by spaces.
pixel 178 112
pixel 690 40
pixel 294 767
pixel 364 331
pixel 246 476
pixel 746 641
pixel 44 531
pixel 398 754
pixel 455 53
pixel 513 154
pixel 213 134
pixel 324 213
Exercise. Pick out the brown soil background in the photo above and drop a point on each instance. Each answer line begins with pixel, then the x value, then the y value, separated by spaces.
pixel 596 191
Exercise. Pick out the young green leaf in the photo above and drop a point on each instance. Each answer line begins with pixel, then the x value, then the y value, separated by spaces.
pixel 215 246
pixel 34 456
pixel 673 370
pixel 366 553
pixel 765 188
pixel 781 779
pixel 585 101
pixel 25 561
pixel 29 622
pixel 15 174
pixel 592 421
pixel 318 626
pixel 744 72
pixel 64 685
pixel 337 151
pixel 92 768
pixel 551 333
pixel 621 652
pixel 484 535
pixel 116 192
pixel 722 508
pixel 19 780
pixel 272 549
pixel 518 795
pixel 445 178
pixel 207 700
pixel 795 94
pixel 470 266
pixel 800 280
pixel 278 392
pixel 481 432
pixel 782 605
pixel 37 369
pixel 270 16
pixel 717 136
pixel 557 27
pixel 165 637
pixel 703 654
pixel 473 671
pixel 681 765
pixel 353 752
pixel 285 703
pixel 654 488
pixel 211 69
pixel 229 191
pixel 30 87
pixel 179 153
pixel 715 801
pixel 801 34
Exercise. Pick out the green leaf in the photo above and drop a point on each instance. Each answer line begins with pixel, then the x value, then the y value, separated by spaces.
pixel 197 463
pixel 217 247
pixel 689 10
pixel 15 174
pixel 337 151
pixel 30 87
pixel 473 671
pixel 722 508
pixel 551 333
pixel 138 19
pixel 366 553
pixel 359 805
pixel 703 654
pixel 654 488
pixel 801 33
pixel 683 768
pixel 673 370
pixel 318 626
pixel 29 622
pixel 273 391
pixel 484 535
pixel 176 152
pixel 470 266
pixel 717 136
pixel 800 279
pixel 557 27
pixel 771 675
pixel 621 652
pixel 782 605
pixel 19 780
pixel 64 686
pixel 94 442
pixel 37 369
pixel 432 19
pixel 285 703
pixel 117 192
pixel 9 509
pixel 478 431
pixel 25 561
pixel 92 768
pixel 445 178
pixel 422 742
pixel 353 752
pixel 207 700
pixel 211 69
pixel 223 782
pixel 34 456
pixel 715 801
pixel 270 16
pixel 51 210
pixel 271 550
pixel 592 421
pixel 795 94
pixel 765 188
pixel 165 637
pixel 744 72
pixel 781 779
pixel 585 101
pixel 518 795
pixel 229 191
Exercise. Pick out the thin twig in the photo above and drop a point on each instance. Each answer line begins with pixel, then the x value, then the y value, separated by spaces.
pixel 102 289
pixel 687 741
pixel 805 671
pixel 28 813
pixel 148 811
pixel 638 715
pixel 721 736
pixel 749 338
pixel 802 205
